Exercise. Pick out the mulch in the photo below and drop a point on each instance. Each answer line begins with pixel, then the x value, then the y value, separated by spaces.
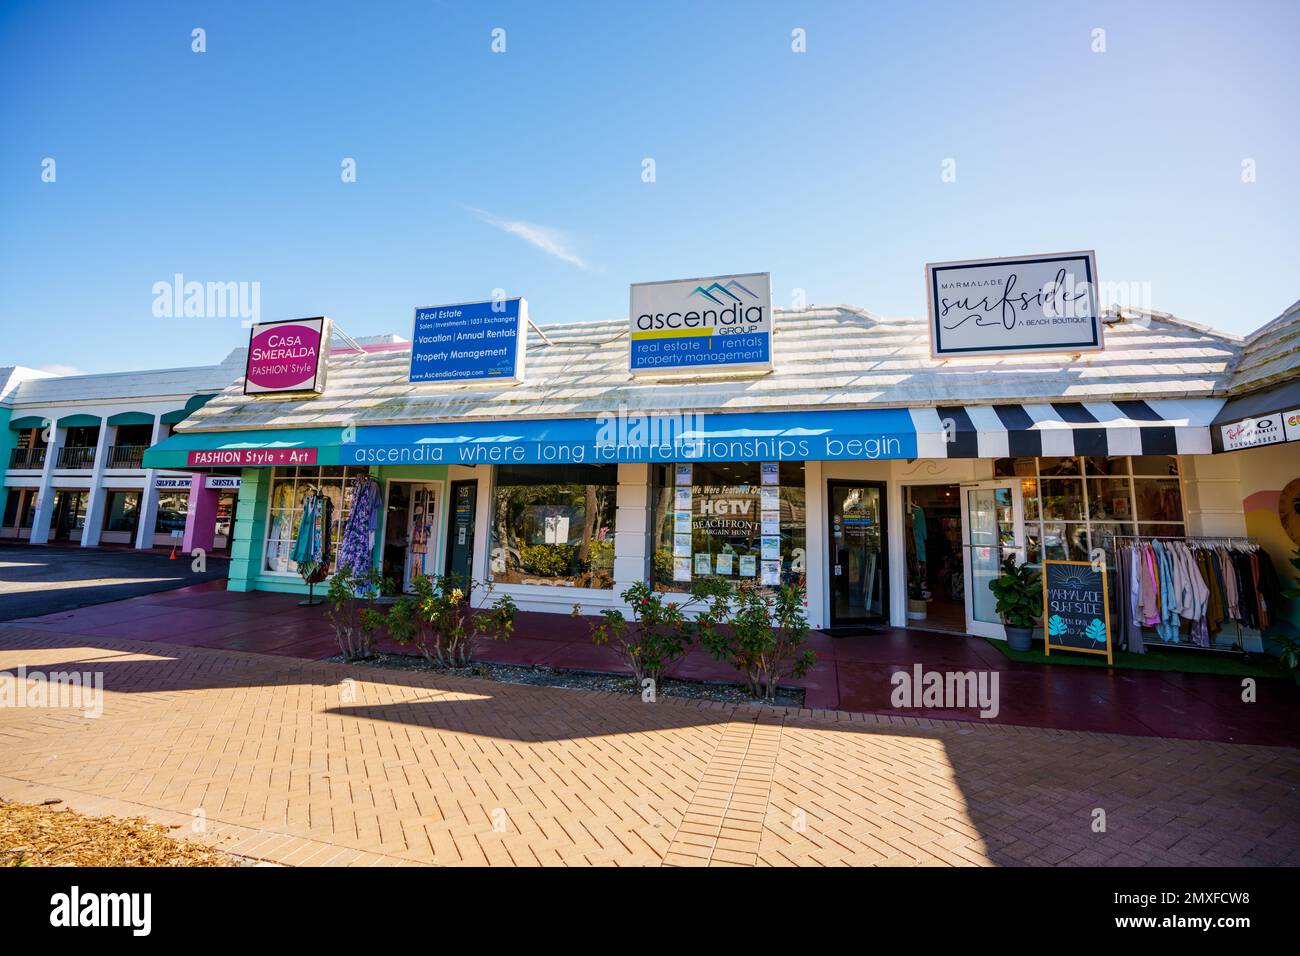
pixel 50 835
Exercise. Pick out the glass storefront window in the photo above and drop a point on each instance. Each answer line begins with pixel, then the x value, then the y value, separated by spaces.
pixel 1108 499
pixel 554 524
pixel 290 488
pixel 1062 498
pixel 1065 517
pixel 122 511
pixel 1158 499
pixel 723 519
pixel 173 506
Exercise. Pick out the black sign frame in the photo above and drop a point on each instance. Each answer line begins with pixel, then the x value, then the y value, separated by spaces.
pixel 1048 626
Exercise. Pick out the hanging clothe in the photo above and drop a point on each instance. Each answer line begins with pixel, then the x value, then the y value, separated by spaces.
pixel 311 549
pixel 356 549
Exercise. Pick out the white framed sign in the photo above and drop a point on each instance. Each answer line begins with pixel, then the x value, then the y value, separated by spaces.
pixel 1253 432
pixel 171 483
pixel 714 323
pixel 222 481
pixel 291 355
pixel 1014 305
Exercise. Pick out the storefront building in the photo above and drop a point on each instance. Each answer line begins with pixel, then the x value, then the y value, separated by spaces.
pixel 852 461
pixel 73 458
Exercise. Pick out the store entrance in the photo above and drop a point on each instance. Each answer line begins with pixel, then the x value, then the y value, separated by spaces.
pixel 460 532
pixel 936 578
pixel 859 577
pixel 69 515
pixel 410 531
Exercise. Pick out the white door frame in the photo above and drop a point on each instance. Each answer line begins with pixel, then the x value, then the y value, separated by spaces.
pixel 985 628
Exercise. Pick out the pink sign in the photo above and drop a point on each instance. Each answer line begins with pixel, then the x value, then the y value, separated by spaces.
pixel 255 457
pixel 285 357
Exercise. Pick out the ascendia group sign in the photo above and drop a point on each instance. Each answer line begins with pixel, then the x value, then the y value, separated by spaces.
pixel 722 322
pixel 985 307
pixel 473 342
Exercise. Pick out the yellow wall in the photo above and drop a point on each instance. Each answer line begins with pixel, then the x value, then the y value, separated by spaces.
pixel 1262 473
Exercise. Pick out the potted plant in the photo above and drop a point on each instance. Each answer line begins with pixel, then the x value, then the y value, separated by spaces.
pixel 917 608
pixel 1018 592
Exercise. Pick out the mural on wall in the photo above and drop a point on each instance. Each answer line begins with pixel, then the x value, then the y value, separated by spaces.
pixel 1273 519
pixel 1288 510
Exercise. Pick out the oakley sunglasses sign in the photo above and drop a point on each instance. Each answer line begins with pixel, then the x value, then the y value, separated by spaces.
pixel 1014 305
pixel 722 322
pixel 287 356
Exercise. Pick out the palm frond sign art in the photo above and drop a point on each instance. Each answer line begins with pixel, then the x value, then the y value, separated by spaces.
pixel 1076 608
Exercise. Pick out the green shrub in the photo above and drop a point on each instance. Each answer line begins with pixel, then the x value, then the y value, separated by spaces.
pixel 352 613
pixel 440 621
pixel 1018 594
pixel 547 560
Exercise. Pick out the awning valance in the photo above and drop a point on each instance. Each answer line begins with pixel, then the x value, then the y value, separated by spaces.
pixel 1063 429
pixel 79 421
pixel 131 418
pixel 1267 417
pixel 28 421
pixel 970 431
pixel 193 405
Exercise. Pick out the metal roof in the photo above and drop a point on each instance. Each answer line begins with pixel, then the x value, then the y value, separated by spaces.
pixel 825 357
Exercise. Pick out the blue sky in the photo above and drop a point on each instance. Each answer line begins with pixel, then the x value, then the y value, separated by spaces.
pixel 523 170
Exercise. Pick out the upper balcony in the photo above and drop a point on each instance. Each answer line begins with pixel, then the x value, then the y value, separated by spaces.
pixel 76 456
pixel 126 456
pixel 31 459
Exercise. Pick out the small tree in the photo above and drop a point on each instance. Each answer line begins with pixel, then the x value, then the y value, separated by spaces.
pixel 764 638
pixel 660 632
pixel 1018 594
pixel 352 613
pixel 439 619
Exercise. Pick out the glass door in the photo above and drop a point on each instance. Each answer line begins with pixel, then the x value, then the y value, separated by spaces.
pixel 992 527
pixel 460 536
pixel 859 577
pixel 421 534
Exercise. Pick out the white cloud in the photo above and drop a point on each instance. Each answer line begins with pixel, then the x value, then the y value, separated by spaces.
pixel 61 370
pixel 553 242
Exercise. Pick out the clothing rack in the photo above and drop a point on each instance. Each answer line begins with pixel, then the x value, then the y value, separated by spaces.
pixel 1125 605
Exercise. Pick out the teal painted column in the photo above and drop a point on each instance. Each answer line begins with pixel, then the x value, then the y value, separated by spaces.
pixel 249 525
pixel 8 442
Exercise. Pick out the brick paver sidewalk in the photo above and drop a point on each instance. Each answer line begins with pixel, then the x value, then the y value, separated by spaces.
pixel 310 763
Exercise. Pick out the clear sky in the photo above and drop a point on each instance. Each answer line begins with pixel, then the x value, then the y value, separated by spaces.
pixel 523 170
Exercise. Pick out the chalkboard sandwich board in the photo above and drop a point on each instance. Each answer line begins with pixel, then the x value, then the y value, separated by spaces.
pixel 1076 608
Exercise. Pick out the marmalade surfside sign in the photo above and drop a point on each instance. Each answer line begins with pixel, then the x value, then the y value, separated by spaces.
pixel 287 356
pixel 1014 305
pixel 686 325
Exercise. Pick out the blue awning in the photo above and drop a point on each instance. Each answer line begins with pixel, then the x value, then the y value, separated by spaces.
pixel 645 438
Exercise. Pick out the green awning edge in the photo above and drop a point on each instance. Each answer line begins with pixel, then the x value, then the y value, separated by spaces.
pixel 79 421
pixel 131 418
pixel 26 422
pixel 173 452
pixel 193 405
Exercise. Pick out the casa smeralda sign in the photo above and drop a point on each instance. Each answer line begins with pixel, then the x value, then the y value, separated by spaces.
pixel 985 307
pixel 686 325
pixel 287 356
pixel 473 342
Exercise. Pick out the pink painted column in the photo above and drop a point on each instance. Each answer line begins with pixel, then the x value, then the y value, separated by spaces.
pixel 201 517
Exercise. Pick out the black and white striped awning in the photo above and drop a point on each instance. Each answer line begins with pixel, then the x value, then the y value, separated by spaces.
pixel 1057 429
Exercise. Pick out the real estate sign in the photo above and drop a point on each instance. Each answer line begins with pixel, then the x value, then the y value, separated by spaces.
pixel 471 342
pixel 1076 608
pixel 686 325
pixel 1014 305
pixel 287 356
